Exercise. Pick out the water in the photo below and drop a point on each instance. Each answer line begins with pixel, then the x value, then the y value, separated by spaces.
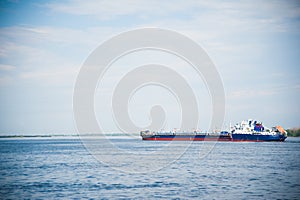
pixel 63 168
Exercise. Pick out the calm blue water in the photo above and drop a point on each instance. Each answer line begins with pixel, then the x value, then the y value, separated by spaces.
pixel 63 168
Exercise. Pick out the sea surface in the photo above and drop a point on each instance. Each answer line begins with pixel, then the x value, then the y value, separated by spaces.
pixel 63 168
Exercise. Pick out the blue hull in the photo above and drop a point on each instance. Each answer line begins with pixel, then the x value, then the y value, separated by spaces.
pixel 254 137
pixel 207 137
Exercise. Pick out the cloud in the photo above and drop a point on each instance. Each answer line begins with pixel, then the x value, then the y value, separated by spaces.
pixel 4 67
pixel 5 80
pixel 6 76
pixel 33 61
pixel 215 24
pixel 106 10
pixel 249 93
pixel 64 76
pixel 276 16
pixel 260 92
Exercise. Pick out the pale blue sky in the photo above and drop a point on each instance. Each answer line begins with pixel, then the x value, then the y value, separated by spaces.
pixel 254 45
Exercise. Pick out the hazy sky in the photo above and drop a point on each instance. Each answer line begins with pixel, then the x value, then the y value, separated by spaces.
pixel 254 45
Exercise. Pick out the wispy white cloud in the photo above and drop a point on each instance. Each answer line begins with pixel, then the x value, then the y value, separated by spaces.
pixel 106 10
pixel 4 67
pixel 250 93
pixel 263 91
pixel 66 75
pixel 5 74
pixel 5 80
pixel 241 16
pixel 48 54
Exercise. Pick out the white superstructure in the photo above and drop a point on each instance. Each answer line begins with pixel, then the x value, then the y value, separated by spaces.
pixel 254 127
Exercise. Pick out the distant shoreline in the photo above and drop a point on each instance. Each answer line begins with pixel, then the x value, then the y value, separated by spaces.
pixel 294 132
pixel 33 136
pixel 71 135
pixel 75 136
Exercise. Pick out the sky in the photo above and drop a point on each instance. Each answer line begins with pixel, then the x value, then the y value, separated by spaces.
pixel 253 44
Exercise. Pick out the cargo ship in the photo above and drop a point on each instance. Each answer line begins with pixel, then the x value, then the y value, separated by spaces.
pixel 246 131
